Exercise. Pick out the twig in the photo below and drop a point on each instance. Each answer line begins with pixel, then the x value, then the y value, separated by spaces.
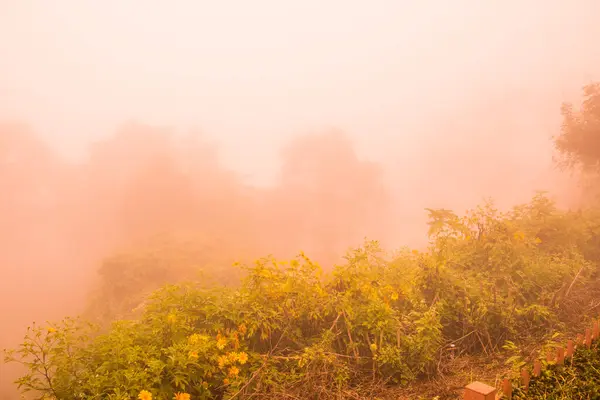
pixel 350 335
pixel 572 283
pixel 335 322
pixel 482 345
pixel 593 306
pixel 461 338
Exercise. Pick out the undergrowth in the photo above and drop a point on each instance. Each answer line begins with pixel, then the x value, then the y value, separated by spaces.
pixel 579 378
pixel 290 330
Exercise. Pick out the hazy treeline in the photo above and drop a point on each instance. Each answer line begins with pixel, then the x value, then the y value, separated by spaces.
pixel 59 219
pixel 144 185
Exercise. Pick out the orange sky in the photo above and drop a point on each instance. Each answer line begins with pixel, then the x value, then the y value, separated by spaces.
pixel 254 73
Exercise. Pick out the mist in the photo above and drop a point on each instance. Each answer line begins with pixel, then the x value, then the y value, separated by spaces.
pixel 266 127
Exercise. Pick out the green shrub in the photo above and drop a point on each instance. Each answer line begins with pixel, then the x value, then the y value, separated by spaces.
pixel 487 277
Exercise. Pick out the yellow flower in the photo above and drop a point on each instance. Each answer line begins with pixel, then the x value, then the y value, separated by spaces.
pixel 415 252
pixel 394 296
pixel 222 361
pixel 181 396
pixel 233 357
pixel 234 371
pixel 373 347
pixel 205 385
pixel 171 318
pixel 51 329
pixel 193 354
pixel 221 343
pixel 538 240
pixel 243 358
pixel 145 395
pixel 194 339
pixel 226 381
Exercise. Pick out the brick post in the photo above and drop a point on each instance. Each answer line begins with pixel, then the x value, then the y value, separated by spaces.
pixel 479 391
pixel 588 338
pixel 560 355
pixel 570 349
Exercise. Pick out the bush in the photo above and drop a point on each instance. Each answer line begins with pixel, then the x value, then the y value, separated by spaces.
pixel 487 277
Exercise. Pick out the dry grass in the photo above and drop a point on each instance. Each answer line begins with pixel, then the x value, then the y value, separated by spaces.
pixel 447 385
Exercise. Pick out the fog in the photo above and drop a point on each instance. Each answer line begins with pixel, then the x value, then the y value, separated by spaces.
pixel 266 127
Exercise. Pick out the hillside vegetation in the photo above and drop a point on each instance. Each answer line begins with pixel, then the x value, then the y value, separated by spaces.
pixel 488 277
pixel 291 330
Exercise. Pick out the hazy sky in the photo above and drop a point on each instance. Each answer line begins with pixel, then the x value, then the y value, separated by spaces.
pixel 392 73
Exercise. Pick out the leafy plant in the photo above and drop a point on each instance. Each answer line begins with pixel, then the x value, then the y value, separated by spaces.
pixel 488 281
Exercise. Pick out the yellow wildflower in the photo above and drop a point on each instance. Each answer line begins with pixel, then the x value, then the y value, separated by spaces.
pixel 51 329
pixel 538 240
pixel 242 358
pixel 181 396
pixel 222 361
pixel 226 381
pixel 415 252
pixel 193 355
pixel 194 339
pixel 234 371
pixel 221 343
pixel 373 347
pixel 145 395
pixel 394 296
pixel 233 357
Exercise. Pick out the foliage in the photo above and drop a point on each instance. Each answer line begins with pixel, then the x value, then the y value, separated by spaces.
pixel 578 379
pixel 165 259
pixel 579 141
pixel 488 277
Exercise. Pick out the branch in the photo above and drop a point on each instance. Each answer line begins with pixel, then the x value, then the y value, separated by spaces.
pixel 572 283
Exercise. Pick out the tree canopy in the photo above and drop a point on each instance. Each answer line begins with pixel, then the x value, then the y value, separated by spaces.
pixel 579 139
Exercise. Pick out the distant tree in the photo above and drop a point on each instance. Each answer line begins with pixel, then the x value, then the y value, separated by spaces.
pixel 579 140
pixel 36 221
pixel 333 198
pixel 32 181
pixel 578 144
